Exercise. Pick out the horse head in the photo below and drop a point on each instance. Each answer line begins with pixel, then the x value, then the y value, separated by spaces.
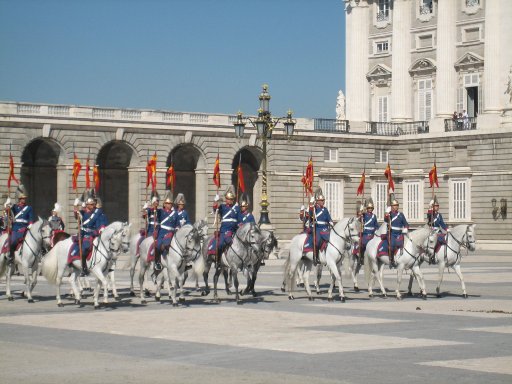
pixel 46 233
pixel 269 242
pixel 125 237
pixel 470 237
pixel 430 242
pixel 250 235
pixel 352 230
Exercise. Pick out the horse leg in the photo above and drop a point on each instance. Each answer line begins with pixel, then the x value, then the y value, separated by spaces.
pixel 307 272
pixel 355 273
pixel 74 287
pixel 215 281
pixel 9 272
pixel 112 279
pixel 380 279
pixel 100 279
pixel 421 281
pixel 227 284
pixel 142 273
pixel 318 277
pixel 440 275
pixel 207 267
pixel 234 274
pixel 456 267
pixel 132 274
pixel 173 275
pixel 399 273
pixel 28 280
pixel 180 283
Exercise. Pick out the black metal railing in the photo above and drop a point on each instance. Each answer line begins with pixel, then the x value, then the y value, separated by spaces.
pixel 331 125
pixel 463 124
pixel 396 129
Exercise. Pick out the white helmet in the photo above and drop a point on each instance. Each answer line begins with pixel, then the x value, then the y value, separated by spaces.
pixel 57 209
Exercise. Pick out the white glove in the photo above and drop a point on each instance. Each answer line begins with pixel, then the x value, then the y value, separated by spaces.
pixel 302 207
pixel 388 209
pixel 83 205
pixel 405 230
pixel 7 203
pixel 449 229
pixel 312 200
pixel 182 222
pixel 29 226
pixel 216 198
pixel 331 223
pixel 431 204
pixel 146 205
pixel 77 202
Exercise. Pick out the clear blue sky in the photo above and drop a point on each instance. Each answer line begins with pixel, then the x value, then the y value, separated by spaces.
pixel 179 55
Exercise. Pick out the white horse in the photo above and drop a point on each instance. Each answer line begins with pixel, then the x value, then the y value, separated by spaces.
pixel 342 236
pixel 37 240
pixel 420 241
pixel 449 255
pixel 185 248
pixel 106 247
pixel 134 258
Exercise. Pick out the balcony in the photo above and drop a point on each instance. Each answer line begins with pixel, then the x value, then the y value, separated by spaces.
pixel 331 125
pixel 467 124
pixel 396 129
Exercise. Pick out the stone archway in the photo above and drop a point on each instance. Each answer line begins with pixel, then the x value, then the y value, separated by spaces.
pixel 250 160
pixel 113 161
pixel 186 158
pixel 39 174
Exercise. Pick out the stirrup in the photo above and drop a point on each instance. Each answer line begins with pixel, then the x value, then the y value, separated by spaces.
pixel 158 267
pixel 84 273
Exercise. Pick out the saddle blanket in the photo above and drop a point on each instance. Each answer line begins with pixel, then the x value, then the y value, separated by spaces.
pixel 308 244
pixel 74 252
pixel 383 249
pixel 5 247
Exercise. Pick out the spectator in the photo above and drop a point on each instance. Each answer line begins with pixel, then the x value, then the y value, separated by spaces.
pixel 465 119
pixel 460 122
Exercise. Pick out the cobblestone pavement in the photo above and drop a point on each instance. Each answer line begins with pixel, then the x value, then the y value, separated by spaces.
pixel 269 339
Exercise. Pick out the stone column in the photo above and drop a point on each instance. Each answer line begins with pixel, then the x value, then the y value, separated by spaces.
pixel 493 88
pixel 201 195
pixel 134 202
pixel 358 92
pixel 401 84
pixel 446 76
pixel 63 174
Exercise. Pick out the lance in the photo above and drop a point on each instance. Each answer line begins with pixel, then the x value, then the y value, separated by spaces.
pixel 216 221
pixel 361 219
pixel 8 209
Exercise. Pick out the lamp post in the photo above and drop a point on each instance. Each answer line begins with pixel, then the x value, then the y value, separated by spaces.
pixel 264 125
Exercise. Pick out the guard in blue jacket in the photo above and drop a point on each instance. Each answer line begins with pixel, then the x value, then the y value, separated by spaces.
pixel 182 214
pixel 90 223
pixel 167 227
pixel 245 216
pixel 435 220
pixel 399 226
pixel 22 217
pixel 228 213
pixel 323 223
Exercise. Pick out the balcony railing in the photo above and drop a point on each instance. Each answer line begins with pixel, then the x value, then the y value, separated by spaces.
pixel 396 129
pixel 331 125
pixel 466 124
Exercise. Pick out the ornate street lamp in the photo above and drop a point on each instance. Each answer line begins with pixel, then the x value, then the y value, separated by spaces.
pixel 264 125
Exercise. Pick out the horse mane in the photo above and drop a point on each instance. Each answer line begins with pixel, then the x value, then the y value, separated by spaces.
pixel 112 228
pixel 459 230
pixel 419 235
pixel 382 229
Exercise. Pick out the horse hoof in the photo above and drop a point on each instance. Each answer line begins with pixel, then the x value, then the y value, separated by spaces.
pixel 60 305
pixel 143 302
pixel 97 306
pixel 301 285
pixel 329 299
pixel 132 294
pixel 424 296
pixel 310 298
pixel 282 289
pixel 370 295
pixel 174 304
pixel 318 292
pixel 77 302
pixel 31 301
pixel 291 298
pixel 239 302
pixel 465 295
pixel 409 294
pixel 205 293
pixel 157 298
pixel 343 299
pixel 182 299
pixel 356 289
pixel 399 297
pixel 229 292
pixel 384 296
pixel 10 298
pixel 117 298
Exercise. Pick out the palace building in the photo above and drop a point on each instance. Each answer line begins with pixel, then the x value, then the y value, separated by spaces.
pixel 410 65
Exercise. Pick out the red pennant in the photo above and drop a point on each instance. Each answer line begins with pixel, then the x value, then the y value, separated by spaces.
pixel 389 177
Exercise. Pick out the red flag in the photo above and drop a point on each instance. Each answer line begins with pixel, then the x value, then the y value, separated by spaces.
pixel 432 176
pixel 77 166
pixel 151 172
pixel 241 182
pixel 96 178
pixel 216 172
pixel 87 177
pixel 309 176
pixel 171 178
pixel 11 172
pixel 389 176
pixel 360 189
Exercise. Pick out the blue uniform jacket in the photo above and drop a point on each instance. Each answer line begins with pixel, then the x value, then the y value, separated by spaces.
pixel 91 222
pixel 229 217
pixel 23 216
pixel 436 220
pixel 323 218
pixel 182 218
pixel 246 217
pixel 370 223
pixel 398 222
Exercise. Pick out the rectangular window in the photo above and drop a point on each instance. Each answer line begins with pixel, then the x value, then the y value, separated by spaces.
pixel 381 156
pixel 412 200
pixel 331 155
pixel 383 11
pixel 333 198
pixel 426 7
pixel 424 99
pixel 460 199
pixel 380 197
pixel 383 109
pixel 381 47
pixel 460 100
pixel 425 41
pixel 472 34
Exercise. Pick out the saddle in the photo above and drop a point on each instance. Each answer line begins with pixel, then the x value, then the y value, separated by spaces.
pixel 383 249
pixel 5 246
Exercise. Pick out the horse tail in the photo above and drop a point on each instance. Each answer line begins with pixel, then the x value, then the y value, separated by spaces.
pixel 367 267
pixel 50 266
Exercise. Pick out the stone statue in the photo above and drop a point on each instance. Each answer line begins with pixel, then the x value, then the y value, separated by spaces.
pixel 340 106
pixel 509 86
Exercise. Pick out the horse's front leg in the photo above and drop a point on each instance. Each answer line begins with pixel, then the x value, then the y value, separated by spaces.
pixel 421 281
pixel 456 267
pixel 379 276
pixel 227 277
pixel 173 276
pixel 441 264
pixel 112 279
pixel 218 270
pixel 9 272
pixel 132 274
pixel 74 286
pixel 101 282
pixel 234 274
pixel 207 267
pixel 318 274
pixel 29 276
pixel 355 268
pixel 307 272
pixel 142 274
pixel 399 273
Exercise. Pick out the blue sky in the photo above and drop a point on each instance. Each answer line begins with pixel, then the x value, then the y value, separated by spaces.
pixel 180 55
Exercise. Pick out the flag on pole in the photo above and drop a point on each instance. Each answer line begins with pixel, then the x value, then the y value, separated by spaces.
pixel 87 176
pixel 241 182
pixel 151 172
pixel 12 176
pixel 77 166
pixel 96 178
pixel 360 189
pixel 308 177
pixel 171 178
pixel 216 172
pixel 432 176
pixel 389 177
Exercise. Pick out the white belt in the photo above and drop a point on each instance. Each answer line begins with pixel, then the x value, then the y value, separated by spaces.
pixel 369 228
pixel 228 220
pixel 21 221
pixel 87 230
pixel 321 222
pixel 396 228
pixel 167 227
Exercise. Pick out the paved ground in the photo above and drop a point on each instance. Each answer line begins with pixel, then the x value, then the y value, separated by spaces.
pixel 269 339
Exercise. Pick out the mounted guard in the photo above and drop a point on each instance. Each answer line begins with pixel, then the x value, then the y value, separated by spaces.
pixel 168 220
pixel 55 221
pixel 398 227
pixel 245 215
pixel 435 221
pixel 322 222
pixel 182 218
pixel 228 213
pixel 20 218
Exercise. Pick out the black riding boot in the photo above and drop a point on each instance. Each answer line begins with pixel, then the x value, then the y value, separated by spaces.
pixel 85 271
pixel 158 253
pixel 10 258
